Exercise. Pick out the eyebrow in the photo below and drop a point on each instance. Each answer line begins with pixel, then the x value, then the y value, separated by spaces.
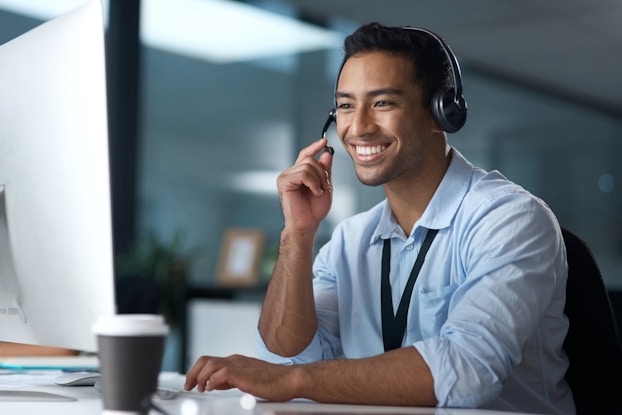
pixel 372 93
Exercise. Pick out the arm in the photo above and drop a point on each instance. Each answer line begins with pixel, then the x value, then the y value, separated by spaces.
pixel 399 377
pixel 18 349
pixel 288 321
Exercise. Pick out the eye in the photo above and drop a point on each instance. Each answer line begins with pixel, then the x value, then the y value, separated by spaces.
pixel 344 106
pixel 382 103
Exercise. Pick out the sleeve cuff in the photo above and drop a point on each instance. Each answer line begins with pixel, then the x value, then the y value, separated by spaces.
pixel 312 353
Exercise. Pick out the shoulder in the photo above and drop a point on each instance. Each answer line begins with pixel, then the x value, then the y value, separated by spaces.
pixel 493 193
pixel 498 214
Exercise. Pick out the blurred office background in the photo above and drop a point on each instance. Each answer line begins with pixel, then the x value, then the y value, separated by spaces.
pixel 208 108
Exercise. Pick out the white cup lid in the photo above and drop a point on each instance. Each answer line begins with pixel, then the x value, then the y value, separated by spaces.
pixel 131 325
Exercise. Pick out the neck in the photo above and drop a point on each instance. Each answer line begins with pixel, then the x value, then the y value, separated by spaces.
pixel 410 197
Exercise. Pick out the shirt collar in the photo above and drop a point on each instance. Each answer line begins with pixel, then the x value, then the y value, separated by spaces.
pixel 442 207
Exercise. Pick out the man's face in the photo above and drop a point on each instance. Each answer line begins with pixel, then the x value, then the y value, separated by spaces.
pixel 381 119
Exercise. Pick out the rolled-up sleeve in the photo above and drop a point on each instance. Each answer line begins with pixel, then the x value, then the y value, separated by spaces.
pixel 312 353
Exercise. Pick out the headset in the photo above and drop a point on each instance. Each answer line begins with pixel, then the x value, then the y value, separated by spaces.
pixel 449 108
pixel 448 105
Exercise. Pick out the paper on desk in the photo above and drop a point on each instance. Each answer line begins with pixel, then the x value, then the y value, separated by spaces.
pixel 12 379
pixel 67 363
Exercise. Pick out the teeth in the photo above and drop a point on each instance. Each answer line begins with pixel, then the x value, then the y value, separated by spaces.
pixel 369 150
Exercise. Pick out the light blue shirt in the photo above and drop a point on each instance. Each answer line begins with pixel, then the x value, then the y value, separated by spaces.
pixel 487 309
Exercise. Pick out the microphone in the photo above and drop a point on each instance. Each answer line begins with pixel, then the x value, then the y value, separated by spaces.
pixel 332 117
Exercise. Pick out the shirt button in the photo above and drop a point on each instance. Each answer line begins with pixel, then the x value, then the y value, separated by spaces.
pixel 409 247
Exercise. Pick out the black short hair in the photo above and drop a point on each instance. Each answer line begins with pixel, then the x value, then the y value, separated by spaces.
pixel 432 70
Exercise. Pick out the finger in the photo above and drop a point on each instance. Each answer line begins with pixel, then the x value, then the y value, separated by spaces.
pixel 191 380
pixel 191 375
pixel 312 150
pixel 190 384
pixel 221 379
pixel 205 379
pixel 326 160
pixel 311 176
pixel 198 374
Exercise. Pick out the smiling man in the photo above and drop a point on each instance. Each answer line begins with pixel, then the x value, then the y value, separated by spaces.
pixel 449 293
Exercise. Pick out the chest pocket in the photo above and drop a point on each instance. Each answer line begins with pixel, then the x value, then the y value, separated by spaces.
pixel 433 308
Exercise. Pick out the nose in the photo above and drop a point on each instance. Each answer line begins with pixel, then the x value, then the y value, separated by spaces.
pixel 357 123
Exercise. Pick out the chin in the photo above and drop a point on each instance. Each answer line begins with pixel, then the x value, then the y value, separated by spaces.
pixel 370 180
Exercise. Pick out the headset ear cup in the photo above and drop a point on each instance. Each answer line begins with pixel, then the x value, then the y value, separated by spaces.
pixel 449 113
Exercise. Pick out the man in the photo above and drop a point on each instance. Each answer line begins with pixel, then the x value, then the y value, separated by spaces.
pixel 484 325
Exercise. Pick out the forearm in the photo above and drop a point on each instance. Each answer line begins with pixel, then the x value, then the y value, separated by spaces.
pixel 18 349
pixel 399 377
pixel 288 321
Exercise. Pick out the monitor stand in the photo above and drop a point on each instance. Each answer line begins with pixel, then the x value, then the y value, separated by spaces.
pixel 9 304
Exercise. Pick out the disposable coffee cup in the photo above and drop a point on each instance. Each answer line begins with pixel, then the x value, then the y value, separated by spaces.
pixel 130 350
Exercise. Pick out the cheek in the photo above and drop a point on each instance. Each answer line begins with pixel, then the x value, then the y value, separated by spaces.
pixel 420 126
pixel 341 131
pixel 427 122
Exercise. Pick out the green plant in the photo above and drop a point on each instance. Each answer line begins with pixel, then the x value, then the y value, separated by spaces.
pixel 165 261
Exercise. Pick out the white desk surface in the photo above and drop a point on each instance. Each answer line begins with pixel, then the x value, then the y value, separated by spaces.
pixel 88 401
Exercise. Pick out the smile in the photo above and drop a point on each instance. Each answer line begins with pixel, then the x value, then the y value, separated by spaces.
pixel 369 150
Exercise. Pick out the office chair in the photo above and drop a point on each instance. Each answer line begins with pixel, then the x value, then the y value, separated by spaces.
pixel 593 342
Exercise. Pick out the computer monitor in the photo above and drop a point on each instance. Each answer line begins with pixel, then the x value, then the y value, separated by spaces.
pixel 56 261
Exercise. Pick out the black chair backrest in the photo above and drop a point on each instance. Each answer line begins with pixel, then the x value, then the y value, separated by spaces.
pixel 593 342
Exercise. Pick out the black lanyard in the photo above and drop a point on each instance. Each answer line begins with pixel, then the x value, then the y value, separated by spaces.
pixel 394 326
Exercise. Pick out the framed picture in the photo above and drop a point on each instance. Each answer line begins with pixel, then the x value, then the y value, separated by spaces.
pixel 240 257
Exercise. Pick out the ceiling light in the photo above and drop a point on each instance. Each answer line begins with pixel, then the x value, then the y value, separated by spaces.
pixel 224 31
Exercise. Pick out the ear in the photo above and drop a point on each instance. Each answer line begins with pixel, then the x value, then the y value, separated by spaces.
pixel 435 129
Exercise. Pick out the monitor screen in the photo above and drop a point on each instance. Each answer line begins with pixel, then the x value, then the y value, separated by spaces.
pixel 56 261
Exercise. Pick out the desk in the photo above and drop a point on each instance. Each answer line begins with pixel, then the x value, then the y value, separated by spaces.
pixel 87 401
